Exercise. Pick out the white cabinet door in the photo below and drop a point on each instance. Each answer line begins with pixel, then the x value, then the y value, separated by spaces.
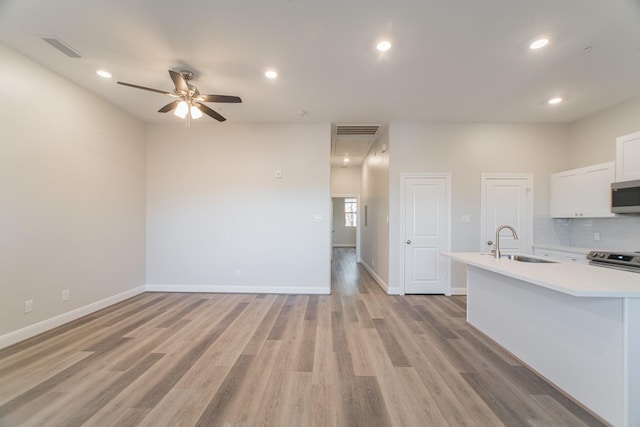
pixel 565 190
pixel 565 256
pixel 583 192
pixel 628 157
pixel 596 202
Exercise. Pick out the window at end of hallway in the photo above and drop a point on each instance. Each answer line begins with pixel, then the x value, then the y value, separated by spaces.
pixel 350 212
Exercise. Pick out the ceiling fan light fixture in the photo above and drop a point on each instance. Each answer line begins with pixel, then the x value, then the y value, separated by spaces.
pixel 195 112
pixel 182 110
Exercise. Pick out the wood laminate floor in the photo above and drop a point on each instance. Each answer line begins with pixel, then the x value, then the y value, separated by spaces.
pixel 355 358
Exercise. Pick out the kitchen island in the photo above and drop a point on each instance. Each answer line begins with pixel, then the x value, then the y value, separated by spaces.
pixel 577 325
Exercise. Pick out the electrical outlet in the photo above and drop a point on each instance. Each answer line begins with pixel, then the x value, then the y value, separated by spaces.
pixel 596 236
pixel 65 295
pixel 28 306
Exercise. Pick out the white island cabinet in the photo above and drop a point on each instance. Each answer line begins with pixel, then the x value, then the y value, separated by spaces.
pixel 577 325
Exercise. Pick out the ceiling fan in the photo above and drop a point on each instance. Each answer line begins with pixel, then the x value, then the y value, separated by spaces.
pixel 189 103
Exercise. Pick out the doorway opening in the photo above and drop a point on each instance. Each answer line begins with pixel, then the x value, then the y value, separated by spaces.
pixel 346 218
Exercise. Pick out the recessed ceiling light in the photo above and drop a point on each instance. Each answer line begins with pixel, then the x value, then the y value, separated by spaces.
pixel 540 43
pixel 104 74
pixel 346 160
pixel 556 100
pixel 383 46
pixel 271 74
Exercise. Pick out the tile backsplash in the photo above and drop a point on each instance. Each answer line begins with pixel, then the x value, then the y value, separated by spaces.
pixel 621 233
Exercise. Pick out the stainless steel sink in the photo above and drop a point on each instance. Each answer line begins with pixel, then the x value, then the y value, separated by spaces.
pixel 524 258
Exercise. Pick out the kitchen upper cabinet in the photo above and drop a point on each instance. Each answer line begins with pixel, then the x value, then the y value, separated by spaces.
pixel 628 157
pixel 583 192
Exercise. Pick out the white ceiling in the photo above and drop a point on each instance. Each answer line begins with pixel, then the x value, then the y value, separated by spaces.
pixel 463 60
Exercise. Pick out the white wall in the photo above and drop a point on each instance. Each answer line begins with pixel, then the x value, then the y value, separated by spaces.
pixel 592 139
pixel 72 195
pixel 343 236
pixel 468 150
pixel 215 207
pixel 374 236
pixel 346 180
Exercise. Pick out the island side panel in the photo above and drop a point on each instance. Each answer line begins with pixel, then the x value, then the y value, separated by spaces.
pixel 576 343
pixel 632 360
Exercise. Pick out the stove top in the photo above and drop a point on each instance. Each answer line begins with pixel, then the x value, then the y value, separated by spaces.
pixel 629 261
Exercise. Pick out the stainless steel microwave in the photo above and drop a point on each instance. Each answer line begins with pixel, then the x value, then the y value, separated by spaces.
pixel 625 197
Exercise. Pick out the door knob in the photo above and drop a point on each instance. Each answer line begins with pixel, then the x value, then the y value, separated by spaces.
pixel 489 242
pixel 408 242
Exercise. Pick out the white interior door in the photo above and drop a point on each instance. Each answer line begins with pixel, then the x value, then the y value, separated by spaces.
pixel 507 200
pixel 426 234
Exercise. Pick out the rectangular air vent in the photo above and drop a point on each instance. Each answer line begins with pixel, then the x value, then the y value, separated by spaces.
pixel 62 46
pixel 357 130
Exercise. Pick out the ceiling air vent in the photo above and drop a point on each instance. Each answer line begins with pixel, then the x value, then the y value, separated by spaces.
pixel 62 46
pixel 357 130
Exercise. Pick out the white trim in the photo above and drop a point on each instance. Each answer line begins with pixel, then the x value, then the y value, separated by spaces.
pixel 458 291
pixel 385 287
pixel 403 178
pixel 483 203
pixel 48 324
pixel 226 289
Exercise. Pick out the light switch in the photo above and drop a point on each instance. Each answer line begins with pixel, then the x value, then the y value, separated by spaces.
pixel 466 219
pixel 317 218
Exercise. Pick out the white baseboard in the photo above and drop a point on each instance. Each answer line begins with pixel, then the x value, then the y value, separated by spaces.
pixel 226 289
pixel 379 281
pixel 344 245
pixel 394 290
pixel 458 291
pixel 48 324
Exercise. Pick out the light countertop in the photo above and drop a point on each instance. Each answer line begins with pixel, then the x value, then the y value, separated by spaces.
pixel 570 278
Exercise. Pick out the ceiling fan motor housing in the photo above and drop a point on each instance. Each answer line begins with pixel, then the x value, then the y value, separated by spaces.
pixel 187 75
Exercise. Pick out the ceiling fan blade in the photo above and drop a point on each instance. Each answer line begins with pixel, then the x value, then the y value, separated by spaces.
pixel 146 88
pixel 221 98
pixel 209 112
pixel 179 82
pixel 169 107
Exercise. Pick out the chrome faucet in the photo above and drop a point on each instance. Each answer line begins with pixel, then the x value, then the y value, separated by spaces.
pixel 513 231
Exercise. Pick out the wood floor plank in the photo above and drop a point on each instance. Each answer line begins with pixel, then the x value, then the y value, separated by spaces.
pixel 395 352
pixel 165 383
pixel 214 413
pixel 283 317
pixel 306 350
pixel 83 411
pixel 357 357
pixel 232 342
pixel 19 381
pixel 264 328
